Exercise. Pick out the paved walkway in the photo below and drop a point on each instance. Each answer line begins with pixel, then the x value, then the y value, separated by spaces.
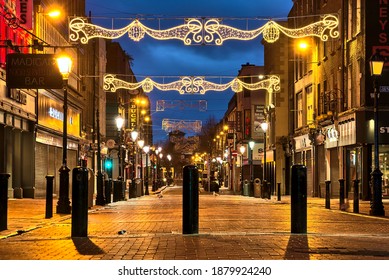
pixel 230 227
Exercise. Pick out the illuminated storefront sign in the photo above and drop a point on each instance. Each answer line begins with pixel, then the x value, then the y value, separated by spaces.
pixel 51 116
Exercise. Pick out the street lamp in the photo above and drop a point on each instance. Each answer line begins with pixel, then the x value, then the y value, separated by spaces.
pixel 169 158
pixel 242 149
pixel 134 136
pixel 141 143
pixel 376 206
pixel 264 126
pixel 119 124
pixel 251 145
pixel 146 149
pixel 160 183
pixel 63 206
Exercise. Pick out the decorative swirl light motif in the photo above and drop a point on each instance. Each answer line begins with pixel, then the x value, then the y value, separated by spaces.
pixel 172 125
pixel 191 85
pixel 201 105
pixel 202 31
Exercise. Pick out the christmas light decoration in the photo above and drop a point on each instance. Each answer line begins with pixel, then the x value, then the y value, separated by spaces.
pixel 191 85
pixel 181 104
pixel 202 31
pixel 173 124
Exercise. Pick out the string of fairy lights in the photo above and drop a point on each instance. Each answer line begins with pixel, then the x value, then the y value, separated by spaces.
pixel 191 85
pixel 202 31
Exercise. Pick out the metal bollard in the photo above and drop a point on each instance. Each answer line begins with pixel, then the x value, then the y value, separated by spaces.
pixel 4 200
pixel 341 194
pixel 80 202
pixel 117 189
pixel 328 195
pixel 268 190
pixel 356 196
pixel 299 199
pixel 108 190
pixel 49 196
pixel 278 191
pixel 190 200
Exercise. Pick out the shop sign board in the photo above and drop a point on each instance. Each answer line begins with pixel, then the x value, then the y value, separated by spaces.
pixel 33 71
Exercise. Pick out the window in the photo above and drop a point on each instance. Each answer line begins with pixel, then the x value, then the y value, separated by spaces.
pixel 299 107
pixel 310 104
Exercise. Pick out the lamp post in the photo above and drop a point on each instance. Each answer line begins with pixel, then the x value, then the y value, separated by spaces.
pixel 100 200
pixel 119 124
pixel 264 126
pixel 242 149
pixel 376 206
pixel 146 149
pixel 63 205
pixel 134 136
pixel 160 182
pixel 251 145
pixel 169 158
pixel 141 143
pixel 156 185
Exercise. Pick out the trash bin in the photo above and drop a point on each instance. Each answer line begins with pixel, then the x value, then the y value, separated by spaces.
pixel 138 184
pixel 257 188
pixel 132 189
pixel 246 187
pixel 118 190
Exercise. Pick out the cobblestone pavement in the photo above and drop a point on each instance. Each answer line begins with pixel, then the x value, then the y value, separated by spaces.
pixel 230 227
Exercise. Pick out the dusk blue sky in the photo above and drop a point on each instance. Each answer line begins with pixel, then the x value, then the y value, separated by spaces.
pixel 173 58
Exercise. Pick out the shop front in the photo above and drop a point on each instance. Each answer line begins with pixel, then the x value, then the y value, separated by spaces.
pixel 17 121
pixel 303 155
pixel 356 135
pixel 48 156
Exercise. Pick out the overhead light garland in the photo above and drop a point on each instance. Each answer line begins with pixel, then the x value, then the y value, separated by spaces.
pixel 173 125
pixel 202 31
pixel 201 105
pixel 191 85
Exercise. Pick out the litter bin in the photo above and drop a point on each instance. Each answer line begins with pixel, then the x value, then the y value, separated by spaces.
pixel 246 187
pixel 131 188
pixel 138 184
pixel 118 190
pixel 257 188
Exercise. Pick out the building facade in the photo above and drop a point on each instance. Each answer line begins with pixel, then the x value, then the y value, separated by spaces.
pixel 332 95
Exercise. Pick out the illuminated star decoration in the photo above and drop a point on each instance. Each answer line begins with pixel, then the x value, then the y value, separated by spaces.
pixel 191 85
pixel 202 31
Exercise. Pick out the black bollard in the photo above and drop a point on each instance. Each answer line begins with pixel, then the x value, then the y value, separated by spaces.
pixel 299 199
pixel 264 188
pixel 190 200
pixel 80 202
pixel 116 190
pixel 268 187
pixel 49 196
pixel 341 194
pixel 356 196
pixel 278 191
pixel 107 190
pixel 4 200
pixel 328 195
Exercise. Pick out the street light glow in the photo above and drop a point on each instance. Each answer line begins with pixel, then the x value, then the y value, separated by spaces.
pixel 64 63
pixel 119 122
